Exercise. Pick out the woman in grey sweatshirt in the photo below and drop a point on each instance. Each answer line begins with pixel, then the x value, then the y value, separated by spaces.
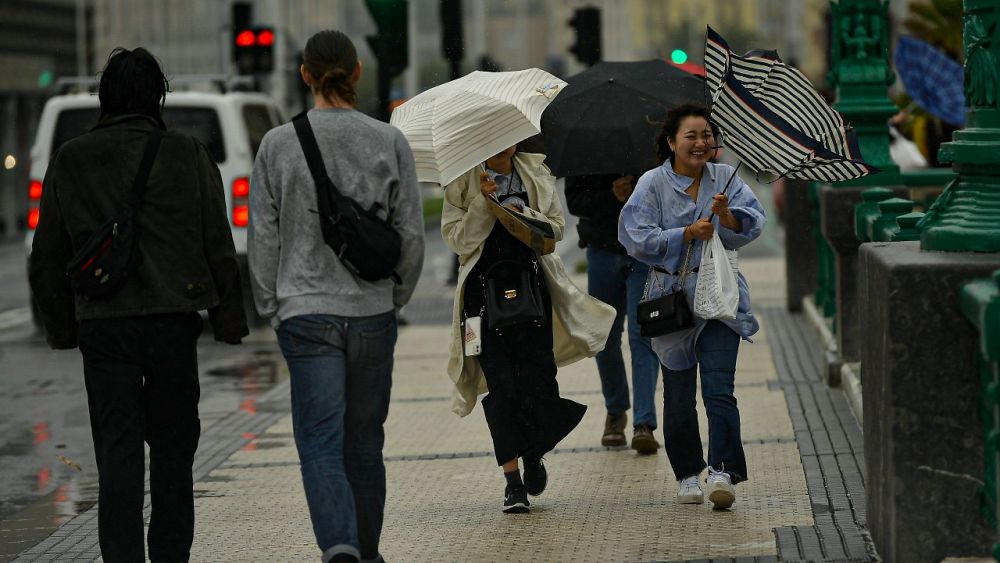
pixel 336 331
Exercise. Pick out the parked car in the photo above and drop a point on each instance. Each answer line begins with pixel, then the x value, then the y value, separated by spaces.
pixel 231 125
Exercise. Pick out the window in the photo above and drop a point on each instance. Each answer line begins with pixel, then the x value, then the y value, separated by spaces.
pixel 200 123
pixel 259 121
pixel 72 123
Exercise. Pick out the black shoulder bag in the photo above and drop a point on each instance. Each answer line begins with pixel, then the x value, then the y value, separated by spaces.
pixel 102 265
pixel 512 295
pixel 667 313
pixel 362 241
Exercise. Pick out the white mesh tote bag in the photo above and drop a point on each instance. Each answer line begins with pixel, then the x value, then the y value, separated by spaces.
pixel 717 294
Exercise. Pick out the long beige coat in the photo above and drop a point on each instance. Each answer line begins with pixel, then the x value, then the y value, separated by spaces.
pixel 580 324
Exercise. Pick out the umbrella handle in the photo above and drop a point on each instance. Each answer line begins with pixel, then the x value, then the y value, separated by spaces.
pixel 710 215
pixel 731 176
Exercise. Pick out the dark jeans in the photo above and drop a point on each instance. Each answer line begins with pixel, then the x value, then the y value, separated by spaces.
pixel 341 378
pixel 716 348
pixel 618 280
pixel 141 375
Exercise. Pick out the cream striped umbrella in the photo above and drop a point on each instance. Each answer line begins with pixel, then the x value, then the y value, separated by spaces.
pixel 459 124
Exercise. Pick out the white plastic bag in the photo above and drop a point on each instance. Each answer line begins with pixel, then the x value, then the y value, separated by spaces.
pixel 717 294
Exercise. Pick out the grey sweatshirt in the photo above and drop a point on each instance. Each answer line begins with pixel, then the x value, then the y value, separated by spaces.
pixel 292 271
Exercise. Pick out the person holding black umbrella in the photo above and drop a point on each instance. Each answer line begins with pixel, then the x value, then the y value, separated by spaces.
pixel 617 279
pixel 663 220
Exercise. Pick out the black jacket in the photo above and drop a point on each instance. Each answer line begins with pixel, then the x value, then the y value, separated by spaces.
pixel 185 258
pixel 592 200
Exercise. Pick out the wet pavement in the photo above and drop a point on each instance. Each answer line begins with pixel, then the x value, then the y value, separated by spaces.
pixel 46 450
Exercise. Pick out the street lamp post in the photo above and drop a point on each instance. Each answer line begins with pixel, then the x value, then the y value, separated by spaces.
pixel 967 215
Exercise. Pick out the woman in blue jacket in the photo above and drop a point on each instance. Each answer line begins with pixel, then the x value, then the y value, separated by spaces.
pixel 669 208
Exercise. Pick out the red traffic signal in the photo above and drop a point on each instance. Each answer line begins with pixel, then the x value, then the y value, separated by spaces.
pixel 253 50
pixel 246 38
pixel 265 37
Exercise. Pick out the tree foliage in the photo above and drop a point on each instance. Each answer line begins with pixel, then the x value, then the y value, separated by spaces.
pixel 938 22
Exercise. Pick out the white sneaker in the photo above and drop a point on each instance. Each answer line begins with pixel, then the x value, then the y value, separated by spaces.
pixel 689 491
pixel 720 489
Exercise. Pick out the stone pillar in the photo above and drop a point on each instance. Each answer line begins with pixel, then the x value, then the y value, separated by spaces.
pixel 923 443
pixel 800 244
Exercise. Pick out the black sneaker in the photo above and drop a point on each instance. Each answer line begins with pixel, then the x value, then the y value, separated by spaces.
pixel 515 500
pixel 535 476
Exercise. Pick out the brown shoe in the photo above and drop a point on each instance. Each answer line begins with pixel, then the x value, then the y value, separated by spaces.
pixel 614 430
pixel 643 440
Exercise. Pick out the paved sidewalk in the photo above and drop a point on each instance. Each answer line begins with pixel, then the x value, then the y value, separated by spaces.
pixel 602 504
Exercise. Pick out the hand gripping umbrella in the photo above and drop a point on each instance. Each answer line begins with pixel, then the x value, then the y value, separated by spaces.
pixel 457 125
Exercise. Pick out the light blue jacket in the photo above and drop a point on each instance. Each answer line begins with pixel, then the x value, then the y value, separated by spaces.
pixel 651 228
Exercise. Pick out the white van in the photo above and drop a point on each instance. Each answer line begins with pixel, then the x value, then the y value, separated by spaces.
pixel 230 124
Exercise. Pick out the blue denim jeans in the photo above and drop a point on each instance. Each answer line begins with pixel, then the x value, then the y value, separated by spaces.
pixel 716 348
pixel 618 280
pixel 341 376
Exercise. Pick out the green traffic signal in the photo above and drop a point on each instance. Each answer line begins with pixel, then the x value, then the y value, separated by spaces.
pixel 678 56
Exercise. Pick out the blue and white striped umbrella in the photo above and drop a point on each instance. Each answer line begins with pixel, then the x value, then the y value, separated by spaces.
pixel 775 121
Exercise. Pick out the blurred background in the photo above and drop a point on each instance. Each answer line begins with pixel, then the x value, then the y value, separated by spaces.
pixel 406 46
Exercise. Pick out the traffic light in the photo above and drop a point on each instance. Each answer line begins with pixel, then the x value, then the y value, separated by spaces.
pixel 253 50
pixel 390 43
pixel 452 38
pixel 587 24
pixel 678 56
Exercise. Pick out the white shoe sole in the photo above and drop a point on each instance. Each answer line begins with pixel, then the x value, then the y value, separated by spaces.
pixel 518 508
pixel 691 499
pixel 722 498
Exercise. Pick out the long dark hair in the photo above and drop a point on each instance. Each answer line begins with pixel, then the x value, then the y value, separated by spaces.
pixel 330 58
pixel 673 124
pixel 132 82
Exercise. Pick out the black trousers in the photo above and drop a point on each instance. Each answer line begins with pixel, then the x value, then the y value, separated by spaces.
pixel 523 410
pixel 142 385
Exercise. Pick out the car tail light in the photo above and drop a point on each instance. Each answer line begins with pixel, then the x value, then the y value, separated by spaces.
pixel 34 197
pixel 241 207
pixel 241 187
pixel 35 190
pixel 241 215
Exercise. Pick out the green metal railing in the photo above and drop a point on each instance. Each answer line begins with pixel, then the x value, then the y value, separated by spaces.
pixel 980 303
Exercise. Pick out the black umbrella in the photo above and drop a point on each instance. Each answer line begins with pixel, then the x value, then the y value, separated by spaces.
pixel 607 118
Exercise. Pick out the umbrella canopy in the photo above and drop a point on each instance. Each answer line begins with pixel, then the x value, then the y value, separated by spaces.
pixel 932 79
pixel 775 121
pixel 608 118
pixel 458 125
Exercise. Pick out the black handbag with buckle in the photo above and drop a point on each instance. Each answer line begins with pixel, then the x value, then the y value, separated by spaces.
pixel 512 295
pixel 666 313
pixel 103 263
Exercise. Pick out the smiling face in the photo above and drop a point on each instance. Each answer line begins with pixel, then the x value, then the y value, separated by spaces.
pixel 692 145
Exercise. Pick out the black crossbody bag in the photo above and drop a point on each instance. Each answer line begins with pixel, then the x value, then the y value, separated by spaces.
pixel 102 265
pixel 667 313
pixel 362 241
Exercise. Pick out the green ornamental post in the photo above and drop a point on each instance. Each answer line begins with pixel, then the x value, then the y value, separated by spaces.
pixel 967 215
pixel 861 73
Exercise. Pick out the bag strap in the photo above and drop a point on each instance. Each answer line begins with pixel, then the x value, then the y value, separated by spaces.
pixel 314 159
pixel 650 276
pixel 145 166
